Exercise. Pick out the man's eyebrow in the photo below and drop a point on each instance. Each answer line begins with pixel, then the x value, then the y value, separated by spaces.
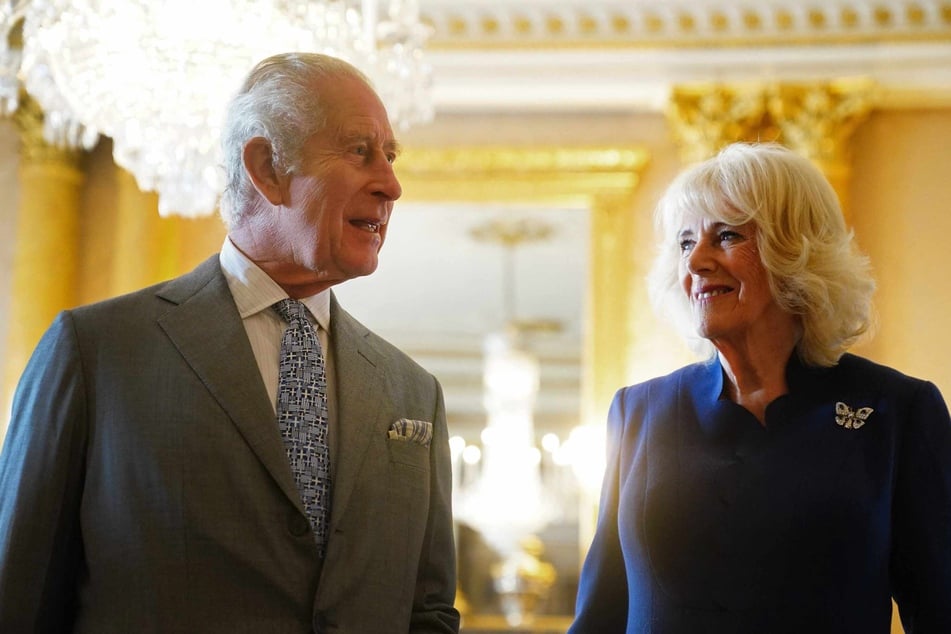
pixel 390 145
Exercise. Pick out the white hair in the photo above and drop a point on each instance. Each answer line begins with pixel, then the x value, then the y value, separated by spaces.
pixel 279 101
pixel 814 268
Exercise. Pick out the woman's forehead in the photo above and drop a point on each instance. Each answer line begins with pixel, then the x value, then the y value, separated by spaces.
pixel 709 211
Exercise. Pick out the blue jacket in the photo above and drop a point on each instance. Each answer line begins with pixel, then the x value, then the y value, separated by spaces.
pixel 711 522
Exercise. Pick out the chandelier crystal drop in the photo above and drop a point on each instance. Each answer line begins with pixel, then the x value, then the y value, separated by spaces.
pixel 156 76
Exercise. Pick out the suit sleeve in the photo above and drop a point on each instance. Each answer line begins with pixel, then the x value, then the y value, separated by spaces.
pixel 601 607
pixel 921 560
pixel 41 475
pixel 435 593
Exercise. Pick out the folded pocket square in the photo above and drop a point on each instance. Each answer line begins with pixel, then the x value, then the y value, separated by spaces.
pixel 418 431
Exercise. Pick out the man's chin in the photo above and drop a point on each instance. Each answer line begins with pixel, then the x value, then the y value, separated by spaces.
pixel 362 269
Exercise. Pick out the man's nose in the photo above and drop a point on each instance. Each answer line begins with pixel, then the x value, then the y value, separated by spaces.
pixel 386 185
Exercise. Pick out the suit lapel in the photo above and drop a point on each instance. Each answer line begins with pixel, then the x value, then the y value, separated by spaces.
pixel 208 332
pixel 360 397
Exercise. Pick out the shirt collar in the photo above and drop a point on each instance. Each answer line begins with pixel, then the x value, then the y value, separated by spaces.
pixel 254 291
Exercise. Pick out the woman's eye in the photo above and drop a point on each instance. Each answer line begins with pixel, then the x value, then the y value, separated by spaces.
pixel 686 245
pixel 728 236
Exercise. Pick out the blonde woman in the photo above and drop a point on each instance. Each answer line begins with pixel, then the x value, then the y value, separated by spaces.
pixel 782 485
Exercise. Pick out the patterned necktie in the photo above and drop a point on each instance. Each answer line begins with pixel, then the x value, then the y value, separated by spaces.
pixel 302 415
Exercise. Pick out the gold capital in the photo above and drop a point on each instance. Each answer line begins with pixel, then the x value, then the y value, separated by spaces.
pixel 34 148
pixel 818 119
pixel 705 117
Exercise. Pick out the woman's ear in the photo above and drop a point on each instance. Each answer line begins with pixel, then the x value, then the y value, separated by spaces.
pixel 258 160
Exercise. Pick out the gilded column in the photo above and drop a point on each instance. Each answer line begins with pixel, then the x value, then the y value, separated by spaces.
pixel 145 249
pixel 609 315
pixel 44 276
pixel 818 119
pixel 611 279
pixel 705 117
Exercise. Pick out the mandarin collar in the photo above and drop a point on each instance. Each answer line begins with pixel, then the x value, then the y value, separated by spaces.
pixel 718 416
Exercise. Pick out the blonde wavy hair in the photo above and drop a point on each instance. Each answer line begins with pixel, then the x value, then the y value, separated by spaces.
pixel 815 270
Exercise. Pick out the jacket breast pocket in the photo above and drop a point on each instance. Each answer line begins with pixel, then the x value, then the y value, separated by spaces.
pixel 408 453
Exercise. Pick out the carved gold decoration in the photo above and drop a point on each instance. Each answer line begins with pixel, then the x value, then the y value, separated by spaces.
pixel 817 119
pixel 704 117
pixel 601 180
pixel 33 147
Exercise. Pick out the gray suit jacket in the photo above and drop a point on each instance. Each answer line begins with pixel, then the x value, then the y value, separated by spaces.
pixel 144 485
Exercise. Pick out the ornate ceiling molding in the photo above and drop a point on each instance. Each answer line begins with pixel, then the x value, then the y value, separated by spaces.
pixel 469 23
pixel 598 55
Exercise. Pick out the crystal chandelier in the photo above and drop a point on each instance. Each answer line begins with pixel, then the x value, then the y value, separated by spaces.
pixel 507 502
pixel 156 75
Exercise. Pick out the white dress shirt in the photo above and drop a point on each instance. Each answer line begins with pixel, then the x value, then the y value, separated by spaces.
pixel 254 294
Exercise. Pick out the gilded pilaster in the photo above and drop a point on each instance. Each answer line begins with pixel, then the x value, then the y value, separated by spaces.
pixel 611 284
pixel 47 241
pixel 609 315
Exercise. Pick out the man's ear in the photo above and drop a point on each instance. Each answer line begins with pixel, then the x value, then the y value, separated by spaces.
pixel 258 160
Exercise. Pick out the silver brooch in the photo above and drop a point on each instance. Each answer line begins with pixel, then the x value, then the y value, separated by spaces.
pixel 849 418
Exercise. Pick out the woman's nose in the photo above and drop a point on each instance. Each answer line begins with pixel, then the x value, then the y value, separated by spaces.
pixel 700 258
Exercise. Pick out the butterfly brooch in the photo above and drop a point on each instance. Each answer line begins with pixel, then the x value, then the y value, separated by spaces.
pixel 850 418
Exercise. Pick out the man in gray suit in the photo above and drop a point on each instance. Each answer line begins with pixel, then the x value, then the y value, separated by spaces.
pixel 144 483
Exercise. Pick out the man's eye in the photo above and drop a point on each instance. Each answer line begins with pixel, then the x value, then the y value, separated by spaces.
pixel 361 150
pixel 390 158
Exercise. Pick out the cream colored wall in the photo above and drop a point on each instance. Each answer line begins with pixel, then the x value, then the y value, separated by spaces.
pixel 901 201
